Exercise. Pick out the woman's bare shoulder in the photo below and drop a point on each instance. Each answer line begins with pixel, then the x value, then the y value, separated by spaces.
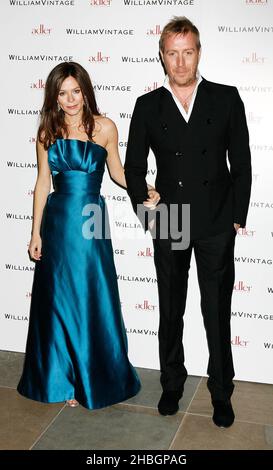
pixel 105 124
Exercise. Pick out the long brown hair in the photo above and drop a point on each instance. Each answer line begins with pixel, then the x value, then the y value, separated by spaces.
pixel 52 123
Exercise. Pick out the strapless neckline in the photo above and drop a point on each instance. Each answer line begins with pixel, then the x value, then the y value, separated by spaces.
pixel 84 142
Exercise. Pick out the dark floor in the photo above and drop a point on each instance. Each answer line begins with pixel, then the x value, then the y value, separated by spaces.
pixel 26 424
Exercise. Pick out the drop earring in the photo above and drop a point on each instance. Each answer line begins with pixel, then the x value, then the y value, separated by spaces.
pixel 58 106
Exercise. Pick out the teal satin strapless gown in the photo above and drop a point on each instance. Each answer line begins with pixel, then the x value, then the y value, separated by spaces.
pixel 76 345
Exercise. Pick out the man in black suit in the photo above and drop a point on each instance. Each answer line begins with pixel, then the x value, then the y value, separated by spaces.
pixel 192 126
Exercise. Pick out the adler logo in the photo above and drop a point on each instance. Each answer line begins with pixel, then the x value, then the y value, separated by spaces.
pixel 155 31
pixel 244 232
pixel 32 140
pixel 146 253
pixel 237 341
pixel 253 58
pixel 100 3
pixel 99 58
pixel 28 295
pixel 30 192
pixel 39 85
pixel 151 87
pixel 241 287
pixel 254 118
pixel 145 306
pixel 41 30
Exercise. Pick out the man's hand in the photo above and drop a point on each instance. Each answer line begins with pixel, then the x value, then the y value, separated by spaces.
pixel 237 226
pixel 153 199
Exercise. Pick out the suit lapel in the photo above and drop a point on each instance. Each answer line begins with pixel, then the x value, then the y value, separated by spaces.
pixel 201 115
pixel 202 112
pixel 171 120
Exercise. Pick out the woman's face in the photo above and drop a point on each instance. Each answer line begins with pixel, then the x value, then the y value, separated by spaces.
pixel 70 97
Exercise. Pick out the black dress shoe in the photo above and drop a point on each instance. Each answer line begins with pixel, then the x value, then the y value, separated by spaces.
pixel 168 403
pixel 223 415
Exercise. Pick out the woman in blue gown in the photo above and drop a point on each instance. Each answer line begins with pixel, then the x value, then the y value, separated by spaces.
pixel 76 347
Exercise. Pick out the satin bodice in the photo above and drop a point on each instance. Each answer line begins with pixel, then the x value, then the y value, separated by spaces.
pixel 76 165
pixel 74 154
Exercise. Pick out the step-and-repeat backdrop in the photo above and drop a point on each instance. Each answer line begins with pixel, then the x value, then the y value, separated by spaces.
pixel 117 42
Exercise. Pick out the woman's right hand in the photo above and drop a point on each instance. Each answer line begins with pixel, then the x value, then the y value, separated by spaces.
pixel 35 247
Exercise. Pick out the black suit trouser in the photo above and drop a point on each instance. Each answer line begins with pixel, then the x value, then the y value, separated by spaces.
pixel 215 268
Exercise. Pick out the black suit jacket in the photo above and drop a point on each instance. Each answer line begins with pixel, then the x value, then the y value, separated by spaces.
pixel 192 158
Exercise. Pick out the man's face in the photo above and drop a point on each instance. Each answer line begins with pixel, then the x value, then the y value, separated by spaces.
pixel 181 58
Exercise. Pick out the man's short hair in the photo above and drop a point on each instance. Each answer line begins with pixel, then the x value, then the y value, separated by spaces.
pixel 179 25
